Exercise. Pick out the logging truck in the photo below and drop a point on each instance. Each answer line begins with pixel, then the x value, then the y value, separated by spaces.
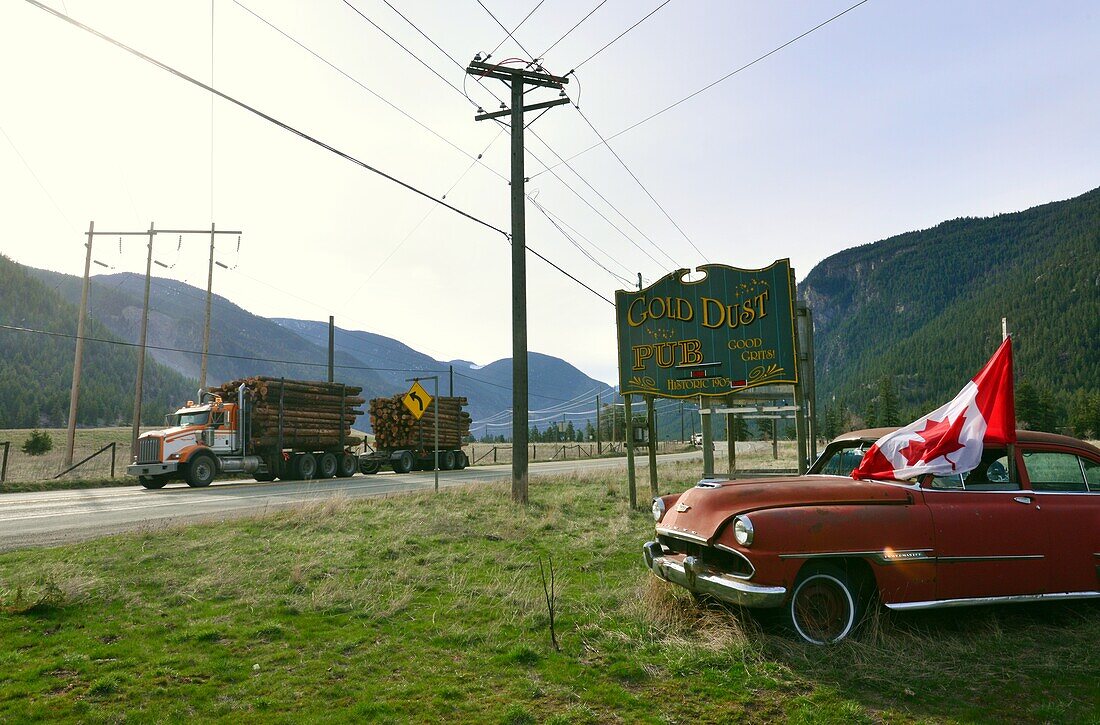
pixel 404 443
pixel 267 427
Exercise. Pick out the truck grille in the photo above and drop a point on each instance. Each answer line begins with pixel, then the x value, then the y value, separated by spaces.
pixel 148 450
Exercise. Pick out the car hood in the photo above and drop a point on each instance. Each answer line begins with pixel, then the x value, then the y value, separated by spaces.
pixel 701 511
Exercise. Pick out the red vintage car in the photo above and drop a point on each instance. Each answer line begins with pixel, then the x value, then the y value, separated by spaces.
pixel 823 546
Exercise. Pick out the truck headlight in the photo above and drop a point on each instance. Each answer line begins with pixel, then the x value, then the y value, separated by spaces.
pixel 742 530
pixel 658 509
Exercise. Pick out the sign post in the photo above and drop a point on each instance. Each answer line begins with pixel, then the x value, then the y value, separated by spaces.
pixel 417 401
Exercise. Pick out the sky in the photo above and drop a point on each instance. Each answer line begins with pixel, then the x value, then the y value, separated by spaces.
pixel 895 116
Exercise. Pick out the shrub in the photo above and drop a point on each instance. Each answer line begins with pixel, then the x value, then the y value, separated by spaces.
pixel 38 444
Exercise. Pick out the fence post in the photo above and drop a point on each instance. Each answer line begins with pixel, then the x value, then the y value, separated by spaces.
pixel 4 465
pixel 494 454
pixel 113 460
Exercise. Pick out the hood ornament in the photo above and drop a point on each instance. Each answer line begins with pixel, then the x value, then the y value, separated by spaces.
pixel 682 507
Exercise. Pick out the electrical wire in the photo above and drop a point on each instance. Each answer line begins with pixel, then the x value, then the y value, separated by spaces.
pixel 530 57
pixel 620 35
pixel 640 184
pixel 566 225
pixel 122 343
pixel 512 33
pixel 365 87
pixel 540 139
pixel 576 244
pixel 38 181
pixel 302 134
pixel 713 83
pixel 570 31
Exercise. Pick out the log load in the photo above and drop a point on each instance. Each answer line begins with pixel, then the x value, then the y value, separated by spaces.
pixel 396 428
pixel 313 413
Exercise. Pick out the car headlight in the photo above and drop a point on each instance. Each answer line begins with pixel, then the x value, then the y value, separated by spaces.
pixel 658 509
pixel 742 530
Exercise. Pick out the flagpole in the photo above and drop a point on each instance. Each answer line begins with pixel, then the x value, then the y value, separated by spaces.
pixel 1012 468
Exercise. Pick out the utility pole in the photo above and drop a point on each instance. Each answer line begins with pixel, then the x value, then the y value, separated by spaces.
pixel 599 442
pixel 517 79
pixel 153 231
pixel 78 361
pixel 209 295
pixel 136 430
pixel 331 345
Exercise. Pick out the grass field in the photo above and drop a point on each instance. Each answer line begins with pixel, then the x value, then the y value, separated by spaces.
pixel 425 608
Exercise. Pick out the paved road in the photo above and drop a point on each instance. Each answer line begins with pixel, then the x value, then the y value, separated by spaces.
pixel 52 517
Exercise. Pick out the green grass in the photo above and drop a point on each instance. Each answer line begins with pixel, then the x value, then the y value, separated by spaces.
pixel 427 607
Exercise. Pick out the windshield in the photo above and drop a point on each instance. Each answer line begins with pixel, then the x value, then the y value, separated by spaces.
pixel 840 459
pixel 196 418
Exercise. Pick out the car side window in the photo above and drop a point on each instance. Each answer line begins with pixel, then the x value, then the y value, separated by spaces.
pixel 1051 471
pixel 1092 474
pixel 991 474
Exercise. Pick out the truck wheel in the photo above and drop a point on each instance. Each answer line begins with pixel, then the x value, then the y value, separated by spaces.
pixel 826 604
pixel 305 466
pixel 461 460
pixel 447 460
pixel 327 465
pixel 403 462
pixel 201 470
pixel 346 465
pixel 153 481
pixel 368 466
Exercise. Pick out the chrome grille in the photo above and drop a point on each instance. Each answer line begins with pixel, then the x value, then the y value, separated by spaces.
pixel 149 450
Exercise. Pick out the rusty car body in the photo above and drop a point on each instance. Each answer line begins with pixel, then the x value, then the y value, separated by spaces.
pixel 822 547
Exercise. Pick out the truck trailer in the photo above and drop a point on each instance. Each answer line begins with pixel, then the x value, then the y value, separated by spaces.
pixel 267 427
pixel 403 443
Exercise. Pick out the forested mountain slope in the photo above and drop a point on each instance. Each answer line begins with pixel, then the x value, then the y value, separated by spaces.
pixel 924 308
pixel 36 370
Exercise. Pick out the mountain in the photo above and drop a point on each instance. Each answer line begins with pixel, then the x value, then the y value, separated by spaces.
pixel 923 309
pixel 36 370
pixel 244 344
pixel 553 382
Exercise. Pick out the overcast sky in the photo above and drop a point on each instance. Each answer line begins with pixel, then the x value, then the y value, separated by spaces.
pixel 894 117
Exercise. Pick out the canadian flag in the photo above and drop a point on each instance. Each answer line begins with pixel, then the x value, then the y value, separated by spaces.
pixel 950 439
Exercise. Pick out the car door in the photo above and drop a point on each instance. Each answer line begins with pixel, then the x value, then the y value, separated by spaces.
pixel 991 537
pixel 1066 486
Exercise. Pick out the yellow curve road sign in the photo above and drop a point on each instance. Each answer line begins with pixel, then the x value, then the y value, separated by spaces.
pixel 417 400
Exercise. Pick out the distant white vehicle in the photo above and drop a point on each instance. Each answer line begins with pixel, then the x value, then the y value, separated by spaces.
pixel 696 439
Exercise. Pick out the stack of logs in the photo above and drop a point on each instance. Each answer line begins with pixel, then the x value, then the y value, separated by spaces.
pixel 312 412
pixel 395 427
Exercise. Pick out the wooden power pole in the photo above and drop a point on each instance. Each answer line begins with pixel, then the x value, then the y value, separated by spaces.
pixel 74 392
pixel 517 79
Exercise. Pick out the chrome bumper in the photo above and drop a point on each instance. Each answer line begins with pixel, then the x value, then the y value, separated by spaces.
pixel 695 576
pixel 151 469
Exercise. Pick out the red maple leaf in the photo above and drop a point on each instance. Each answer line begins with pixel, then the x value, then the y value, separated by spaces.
pixel 939 438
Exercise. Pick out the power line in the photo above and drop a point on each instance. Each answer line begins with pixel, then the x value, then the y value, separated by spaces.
pixel 250 358
pixel 398 42
pixel 576 244
pixel 597 247
pixel 712 84
pixel 511 34
pixel 285 126
pixel 299 133
pixel 620 35
pixel 570 31
pixel 364 86
pixel 541 140
pixel 494 17
pixel 37 180
pixel 640 184
pixel 505 387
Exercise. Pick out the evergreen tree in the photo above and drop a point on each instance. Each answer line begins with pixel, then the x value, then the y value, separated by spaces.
pixel 887 410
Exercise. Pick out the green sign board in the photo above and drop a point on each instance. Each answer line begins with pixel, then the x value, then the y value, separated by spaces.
pixel 731 330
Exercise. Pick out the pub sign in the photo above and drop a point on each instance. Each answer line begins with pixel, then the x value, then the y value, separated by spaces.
pixel 731 330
